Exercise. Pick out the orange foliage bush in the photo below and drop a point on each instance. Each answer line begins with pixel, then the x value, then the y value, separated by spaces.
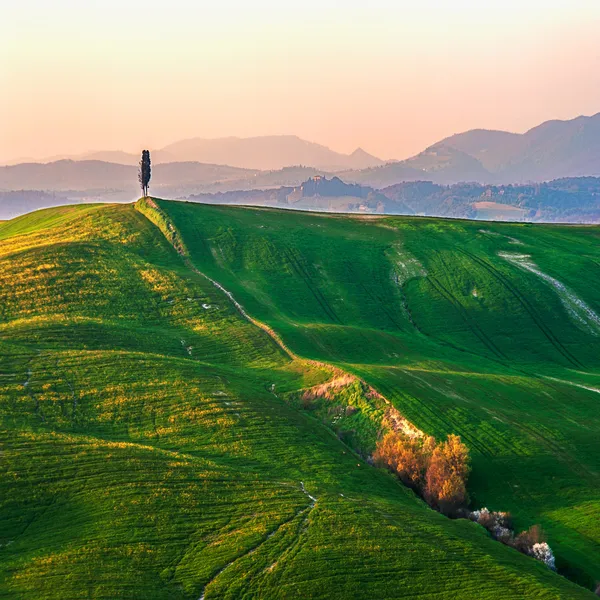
pixel 438 472
pixel 403 456
pixel 447 474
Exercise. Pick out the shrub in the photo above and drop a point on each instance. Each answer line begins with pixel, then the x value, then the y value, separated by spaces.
pixel 499 524
pixel 446 476
pixel 404 457
pixel 544 553
pixel 526 540
pixel 438 472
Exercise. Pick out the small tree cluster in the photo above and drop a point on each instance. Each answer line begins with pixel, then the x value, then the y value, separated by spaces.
pixel 531 542
pixel 447 475
pixel 499 524
pixel 436 471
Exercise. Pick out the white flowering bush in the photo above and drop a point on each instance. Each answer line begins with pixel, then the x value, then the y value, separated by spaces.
pixel 544 553
pixel 529 542
pixel 497 523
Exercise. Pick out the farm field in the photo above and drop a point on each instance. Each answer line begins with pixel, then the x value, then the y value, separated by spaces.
pixel 152 444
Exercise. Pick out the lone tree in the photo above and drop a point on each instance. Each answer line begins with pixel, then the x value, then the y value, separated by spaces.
pixel 145 172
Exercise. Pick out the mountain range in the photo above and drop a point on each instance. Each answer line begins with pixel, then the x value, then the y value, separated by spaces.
pixel 549 151
pixel 552 150
pixel 266 153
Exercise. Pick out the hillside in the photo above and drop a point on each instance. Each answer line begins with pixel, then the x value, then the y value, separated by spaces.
pixel 486 330
pixel 315 194
pixel 572 200
pixel 152 445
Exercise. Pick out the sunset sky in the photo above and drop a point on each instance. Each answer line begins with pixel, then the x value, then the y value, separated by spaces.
pixel 391 77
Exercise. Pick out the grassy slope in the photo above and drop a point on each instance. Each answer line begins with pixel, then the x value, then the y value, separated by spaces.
pixel 458 337
pixel 142 450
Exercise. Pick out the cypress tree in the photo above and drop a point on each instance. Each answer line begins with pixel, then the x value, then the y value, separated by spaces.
pixel 145 172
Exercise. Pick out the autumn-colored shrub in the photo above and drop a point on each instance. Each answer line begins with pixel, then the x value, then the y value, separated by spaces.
pixel 445 486
pixel 438 472
pixel 407 457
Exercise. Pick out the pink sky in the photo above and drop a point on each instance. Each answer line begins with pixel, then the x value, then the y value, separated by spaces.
pixel 391 77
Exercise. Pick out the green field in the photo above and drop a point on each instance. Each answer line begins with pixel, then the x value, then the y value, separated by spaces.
pixel 153 444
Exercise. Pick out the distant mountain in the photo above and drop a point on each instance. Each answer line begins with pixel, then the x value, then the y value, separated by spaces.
pixel 440 163
pixel 448 165
pixel 113 156
pixel 67 175
pixel 91 180
pixel 16 203
pixel 551 150
pixel 492 149
pixel 360 159
pixel 264 153
pixel 70 175
pixel 385 175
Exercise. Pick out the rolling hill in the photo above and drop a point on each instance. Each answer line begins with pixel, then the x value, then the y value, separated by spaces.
pixel 489 331
pixel 156 438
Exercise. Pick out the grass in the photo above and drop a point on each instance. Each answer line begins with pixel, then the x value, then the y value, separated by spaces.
pixel 460 339
pixel 151 444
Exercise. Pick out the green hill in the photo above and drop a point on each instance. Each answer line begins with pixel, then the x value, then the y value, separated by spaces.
pixel 153 440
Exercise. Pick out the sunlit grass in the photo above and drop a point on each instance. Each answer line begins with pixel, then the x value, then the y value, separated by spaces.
pixel 148 441
pixel 460 340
